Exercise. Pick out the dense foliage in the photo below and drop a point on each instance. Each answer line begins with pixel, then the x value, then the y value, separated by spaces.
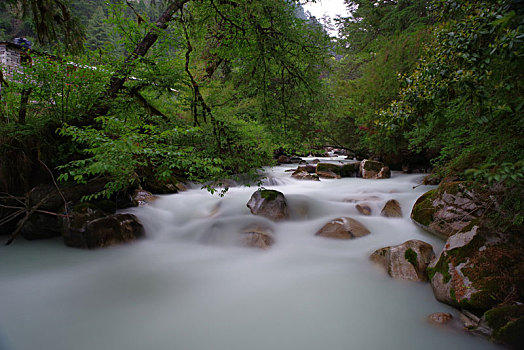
pixel 214 92
pixel 439 80
pixel 201 90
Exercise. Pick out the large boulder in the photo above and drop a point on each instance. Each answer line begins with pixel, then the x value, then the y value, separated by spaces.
pixel 507 325
pixel 283 159
pixel 392 209
pixel 350 169
pixel 103 232
pixel 47 198
pixel 343 228
pixel 449 208
pixel 371 169
pixel 478 269
pixel 142 197
pixel 270 204
pixel 328 170
pixel 407 261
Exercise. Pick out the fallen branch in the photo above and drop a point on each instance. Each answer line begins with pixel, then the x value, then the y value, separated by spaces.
pixel 57 189
pixel 22 222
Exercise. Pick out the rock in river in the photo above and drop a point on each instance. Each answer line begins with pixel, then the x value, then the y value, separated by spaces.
pixel 407 261
pixel 257 236
pixel 343 228
pixel 392 209
pixel 270 204
pixel 104 232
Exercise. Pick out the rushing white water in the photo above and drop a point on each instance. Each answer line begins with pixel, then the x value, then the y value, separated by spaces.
pixel 191 285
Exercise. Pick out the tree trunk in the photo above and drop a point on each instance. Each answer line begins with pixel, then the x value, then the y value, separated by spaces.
pixel 118 79
pixel 24 100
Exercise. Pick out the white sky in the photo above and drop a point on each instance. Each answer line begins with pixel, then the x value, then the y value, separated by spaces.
pixel 332 8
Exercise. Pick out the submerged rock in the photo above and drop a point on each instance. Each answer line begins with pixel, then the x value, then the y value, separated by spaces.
pixel 392 209
pixel 363 209
pixel 257 236
pixel 440 318
pixel 104 232
pixel 407 261
pixel 343 228
pixel 270 204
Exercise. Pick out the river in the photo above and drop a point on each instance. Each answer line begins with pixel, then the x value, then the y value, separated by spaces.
pixel 191 285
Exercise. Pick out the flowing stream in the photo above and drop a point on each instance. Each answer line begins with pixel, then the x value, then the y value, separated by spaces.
pixel 191 285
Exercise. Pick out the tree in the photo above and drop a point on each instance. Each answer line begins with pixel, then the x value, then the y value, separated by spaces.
pixel 53 22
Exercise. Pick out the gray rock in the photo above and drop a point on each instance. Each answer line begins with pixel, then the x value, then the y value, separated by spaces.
pixel 407 261
pixel 270 204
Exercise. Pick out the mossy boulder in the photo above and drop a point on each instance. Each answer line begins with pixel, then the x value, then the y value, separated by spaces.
pixel 328 170
pixel 478 269
pixel 270 204
pixel 350 169
pixel 343 228
pixel 103 232
pixel 507 324
pixel 449 208
pixel 371 169
pixel 407 261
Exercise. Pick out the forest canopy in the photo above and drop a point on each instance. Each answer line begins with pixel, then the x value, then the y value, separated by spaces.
pixel 149 92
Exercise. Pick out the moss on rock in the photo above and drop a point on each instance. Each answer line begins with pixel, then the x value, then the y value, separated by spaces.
pixel 507 323
pixel 349 169
pixel 269 194
pixel 329 167
pixel 411 256
pixel 423 210
pixel 371 165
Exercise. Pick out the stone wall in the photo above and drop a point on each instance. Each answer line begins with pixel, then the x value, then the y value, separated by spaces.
pixel 10 58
